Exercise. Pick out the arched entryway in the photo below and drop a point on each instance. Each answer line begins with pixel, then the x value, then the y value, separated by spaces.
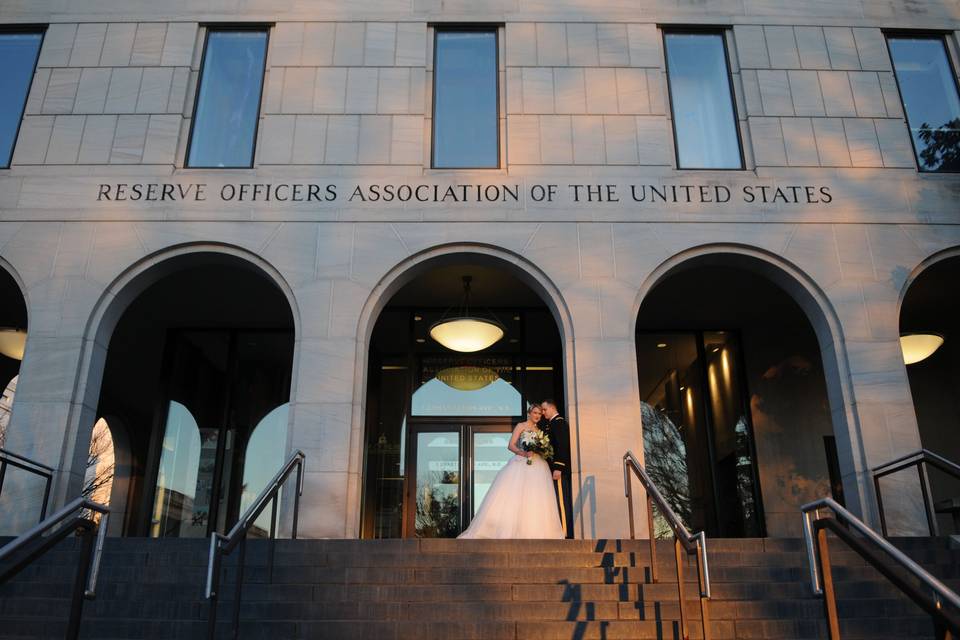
pixel 735 395
pixel 930 338
pixel 13 335
pixel 437 419
pixel 198 371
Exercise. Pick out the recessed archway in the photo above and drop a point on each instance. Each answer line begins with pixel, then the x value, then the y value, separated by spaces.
pixel 742 385
pixel 196 351
pixel 413 408
pixel 931 306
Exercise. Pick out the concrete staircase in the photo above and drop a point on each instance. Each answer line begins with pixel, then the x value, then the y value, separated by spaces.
pixel 448 589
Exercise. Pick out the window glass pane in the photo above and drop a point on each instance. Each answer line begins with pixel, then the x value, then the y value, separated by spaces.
pixel 228 102
pixel 265 455
pixel 18 57
pixel 929 93
pixel 465 100
pixel 181 505
pixel 703 116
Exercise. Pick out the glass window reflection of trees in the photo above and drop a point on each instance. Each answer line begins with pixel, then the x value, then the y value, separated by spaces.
pixel 928 89
pixel 697 437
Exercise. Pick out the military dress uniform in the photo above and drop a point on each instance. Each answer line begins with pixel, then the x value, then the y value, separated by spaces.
pixel 559 432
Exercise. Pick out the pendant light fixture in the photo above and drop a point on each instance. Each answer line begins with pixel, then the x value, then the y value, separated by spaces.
pixel 466 333
pixel 919 346
pixel 12 342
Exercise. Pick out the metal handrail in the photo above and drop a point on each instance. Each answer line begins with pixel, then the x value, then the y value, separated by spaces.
pixel 873 548
pixel 221 545
pixel 919 459
pixel 30 466
pixel 76 515
pixel 694 544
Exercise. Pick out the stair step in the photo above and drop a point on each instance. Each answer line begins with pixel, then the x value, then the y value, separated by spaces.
pixel 444 589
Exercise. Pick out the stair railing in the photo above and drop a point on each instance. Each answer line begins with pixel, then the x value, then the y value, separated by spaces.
pixel 920 459
pixel 8 458
pixel 221 545
pixel 917 583
pixel 682 541
pixel 75 517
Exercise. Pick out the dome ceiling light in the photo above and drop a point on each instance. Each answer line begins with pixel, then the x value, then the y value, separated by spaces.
pixel 919 346
pixel 12 342
pixel 466 333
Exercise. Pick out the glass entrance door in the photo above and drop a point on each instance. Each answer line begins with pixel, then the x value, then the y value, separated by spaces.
pixel 437 483
pixel 450 470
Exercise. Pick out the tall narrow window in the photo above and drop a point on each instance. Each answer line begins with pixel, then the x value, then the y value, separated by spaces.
pixel 18 57
pixel 704 119
pixel 465 131
pixel 228 100
pixel 928 89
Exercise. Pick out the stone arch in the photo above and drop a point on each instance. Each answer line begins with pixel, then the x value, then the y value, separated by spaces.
pixel 404 272
pixel 917 271
pixel 108 310
pixel 829 332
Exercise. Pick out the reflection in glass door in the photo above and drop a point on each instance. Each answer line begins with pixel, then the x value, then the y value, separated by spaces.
pixel 698 440
pixel 437 486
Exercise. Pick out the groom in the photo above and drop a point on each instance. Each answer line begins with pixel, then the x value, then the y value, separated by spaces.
pixel 556 427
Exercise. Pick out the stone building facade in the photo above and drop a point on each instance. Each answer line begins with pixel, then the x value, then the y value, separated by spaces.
pixel 829 208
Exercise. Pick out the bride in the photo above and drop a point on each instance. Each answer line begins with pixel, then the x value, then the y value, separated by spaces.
pixel 521 502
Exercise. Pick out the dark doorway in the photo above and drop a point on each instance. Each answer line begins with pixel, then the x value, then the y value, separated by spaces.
pixel 733 398
pixel 198 369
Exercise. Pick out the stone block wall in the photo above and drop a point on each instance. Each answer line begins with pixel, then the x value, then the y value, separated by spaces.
pixel 109 94
pixel 354 93
pixel 347 96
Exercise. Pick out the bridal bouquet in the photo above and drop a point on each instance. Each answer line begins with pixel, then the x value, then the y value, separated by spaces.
pixel 538 442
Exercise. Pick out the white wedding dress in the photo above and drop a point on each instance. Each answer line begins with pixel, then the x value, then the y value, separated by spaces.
pixel 520 503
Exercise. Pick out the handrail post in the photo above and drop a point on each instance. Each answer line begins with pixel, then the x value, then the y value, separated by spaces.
pixel 883 516
pixel 628 486
pixel 826 580
pixel 273 537
pixel 238 589
pixel 296 499
pixel 80 581
pixel 703 581
pixel 651 533
pixel 684 629
pixel 46 500
pixel 927 498
pixel 213 585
